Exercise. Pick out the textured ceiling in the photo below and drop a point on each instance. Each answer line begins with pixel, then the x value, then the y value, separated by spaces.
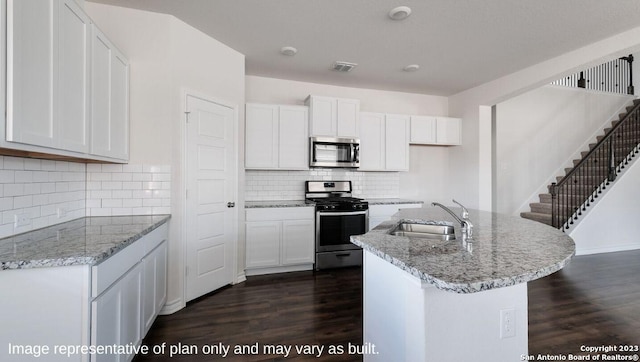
pixel 458 44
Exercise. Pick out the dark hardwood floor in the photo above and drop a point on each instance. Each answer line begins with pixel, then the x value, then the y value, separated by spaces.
pixel 592 302
pixel 303 308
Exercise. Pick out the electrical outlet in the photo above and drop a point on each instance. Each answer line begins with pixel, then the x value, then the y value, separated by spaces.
pixel 507 323
pixel 23 219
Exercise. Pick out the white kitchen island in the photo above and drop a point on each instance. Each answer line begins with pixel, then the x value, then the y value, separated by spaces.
pixel 426 300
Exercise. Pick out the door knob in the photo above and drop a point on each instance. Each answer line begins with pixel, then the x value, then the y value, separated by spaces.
pixel 231 204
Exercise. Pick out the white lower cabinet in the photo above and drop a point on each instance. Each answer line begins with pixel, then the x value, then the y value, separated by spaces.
pixel 279 239
pixel 124 310
pixel 115 315
pixel 111 303
pixel 381 213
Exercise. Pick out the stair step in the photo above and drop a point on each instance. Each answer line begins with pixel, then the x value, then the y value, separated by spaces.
pixel 546 198
pixel 541 208
pixel 543 218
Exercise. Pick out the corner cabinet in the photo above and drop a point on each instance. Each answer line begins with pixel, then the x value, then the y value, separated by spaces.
pixel 49 79
pixel 426 130
pixel 333 117
pixel 276 137
pixel 279 239
pixel 384 142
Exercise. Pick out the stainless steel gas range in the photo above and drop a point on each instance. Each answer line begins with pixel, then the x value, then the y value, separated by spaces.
pixel 338 216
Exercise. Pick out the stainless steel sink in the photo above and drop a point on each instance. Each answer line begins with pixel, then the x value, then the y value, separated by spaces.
pixel 428 231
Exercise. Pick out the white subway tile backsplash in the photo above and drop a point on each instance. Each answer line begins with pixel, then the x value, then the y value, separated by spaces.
pixel 44 188
pixel 288 185
pixel 128 189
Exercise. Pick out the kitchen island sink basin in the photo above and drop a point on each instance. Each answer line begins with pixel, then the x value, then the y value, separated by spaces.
pixel 428 231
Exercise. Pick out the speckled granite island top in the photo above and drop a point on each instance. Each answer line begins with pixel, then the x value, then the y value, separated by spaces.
pixel 506 250
pixel 86 240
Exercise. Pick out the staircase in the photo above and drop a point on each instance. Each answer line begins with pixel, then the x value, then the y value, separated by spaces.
pixel 591 174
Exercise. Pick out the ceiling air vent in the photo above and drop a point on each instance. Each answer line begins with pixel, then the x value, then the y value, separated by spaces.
pixel 343 66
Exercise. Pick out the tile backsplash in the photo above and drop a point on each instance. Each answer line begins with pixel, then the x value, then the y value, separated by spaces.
pixel 128 189
pixel 289 185
pixel 38 193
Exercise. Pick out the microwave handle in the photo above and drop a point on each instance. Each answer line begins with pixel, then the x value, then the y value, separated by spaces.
pixel 356 153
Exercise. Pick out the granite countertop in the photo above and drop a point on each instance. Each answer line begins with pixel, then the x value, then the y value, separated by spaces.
pixel 277 203
pixel 392 201
pixel 506 250
pixel 83 241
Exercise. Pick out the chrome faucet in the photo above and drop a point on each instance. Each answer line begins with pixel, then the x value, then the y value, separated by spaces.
pixel 465 223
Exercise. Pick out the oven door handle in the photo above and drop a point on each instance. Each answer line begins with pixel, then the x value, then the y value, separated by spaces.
pixel 330 213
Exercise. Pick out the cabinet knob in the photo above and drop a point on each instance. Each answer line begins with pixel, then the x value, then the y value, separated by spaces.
pixel 231 204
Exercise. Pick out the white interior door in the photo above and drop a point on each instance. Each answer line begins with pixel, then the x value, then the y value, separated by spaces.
pixel 211 218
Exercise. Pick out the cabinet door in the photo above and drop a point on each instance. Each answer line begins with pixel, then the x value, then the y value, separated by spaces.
pixel 130 324
pixel 154 285
pixel 298 242
pixel 73 77
pixel 115 315
pixel 449 131
pixel 119 122
pixel 323 116
pixel 397 142
pixel 263 243
pixel 32 60
pixel 372 141
pixel 109 99
pixel 293 153
pixel 423 130
pixel 348 113
pixel 261 136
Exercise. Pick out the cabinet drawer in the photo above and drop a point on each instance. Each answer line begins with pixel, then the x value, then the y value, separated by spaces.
pixel 110 270
pixel 280 213
pixel 155 238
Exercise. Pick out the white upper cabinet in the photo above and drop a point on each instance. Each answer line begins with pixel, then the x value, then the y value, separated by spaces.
pixel 449 131
pixel 276 137
pixel 109 99
pixel 384 142
pixel 333 117
pixel 48 74
pixel 49 63
pixel 397 142
pixel 427 130
pixel 372 143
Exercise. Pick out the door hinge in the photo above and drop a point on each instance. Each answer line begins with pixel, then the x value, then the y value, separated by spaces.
pixel 186 271
pixel 186 118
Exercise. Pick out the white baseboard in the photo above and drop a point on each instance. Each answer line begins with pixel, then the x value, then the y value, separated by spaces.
pixel 607 249
pixel 281 269
pixel 242 277
pixel 172 307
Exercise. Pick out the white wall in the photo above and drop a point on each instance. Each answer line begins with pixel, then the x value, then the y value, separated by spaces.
pixel 612 223
pixel 166 57
pixel 471 164
pixel 426 179
pixel 539 133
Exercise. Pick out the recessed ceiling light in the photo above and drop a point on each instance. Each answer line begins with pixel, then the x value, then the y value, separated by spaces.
pixel 411 68
pixel 289 51
pixel 400 13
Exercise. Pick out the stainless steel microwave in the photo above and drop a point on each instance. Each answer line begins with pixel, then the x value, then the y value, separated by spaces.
pixel 334 152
